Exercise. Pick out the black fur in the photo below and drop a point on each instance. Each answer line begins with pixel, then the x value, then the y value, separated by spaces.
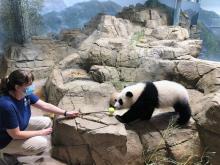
pixel 144 107
pixel 184 111
pixel 129 94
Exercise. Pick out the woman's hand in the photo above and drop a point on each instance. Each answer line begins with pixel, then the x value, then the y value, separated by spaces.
pixel 72 114
pixel 54 109
pixel 46 131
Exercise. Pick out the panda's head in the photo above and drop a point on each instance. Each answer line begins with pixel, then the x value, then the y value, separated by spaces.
pixel 124 100
pixel 128 96
pixel 113 98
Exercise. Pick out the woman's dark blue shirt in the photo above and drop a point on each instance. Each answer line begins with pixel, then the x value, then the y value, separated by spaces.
pixel 14 113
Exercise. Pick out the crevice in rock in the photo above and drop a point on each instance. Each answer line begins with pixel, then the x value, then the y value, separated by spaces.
pixel 167 147
pixel 100 156
pixel 201 76
pixel 113 23
pixel 93 120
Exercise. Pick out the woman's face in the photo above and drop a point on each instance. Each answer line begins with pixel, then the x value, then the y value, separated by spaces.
pixel 20 89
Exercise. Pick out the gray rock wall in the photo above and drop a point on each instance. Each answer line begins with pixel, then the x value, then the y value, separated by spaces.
pixel 39 56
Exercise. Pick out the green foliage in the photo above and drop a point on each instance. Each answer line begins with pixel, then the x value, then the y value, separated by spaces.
pixel 136 37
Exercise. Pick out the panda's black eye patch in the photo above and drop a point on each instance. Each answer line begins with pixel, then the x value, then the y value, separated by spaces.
pixel 115 100
pixel 129 94
pixel 120 101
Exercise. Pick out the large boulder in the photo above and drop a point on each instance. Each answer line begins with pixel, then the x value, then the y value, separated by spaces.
pixel 59 81
pixel 104 73
pixel 207 119
pixel 100 137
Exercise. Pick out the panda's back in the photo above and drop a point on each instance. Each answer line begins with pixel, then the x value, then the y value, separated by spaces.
pixel 170 92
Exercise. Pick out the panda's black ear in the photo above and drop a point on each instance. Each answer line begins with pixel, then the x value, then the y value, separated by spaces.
pixel 129 94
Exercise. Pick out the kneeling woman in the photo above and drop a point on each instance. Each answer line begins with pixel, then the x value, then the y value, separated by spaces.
pixel 19 132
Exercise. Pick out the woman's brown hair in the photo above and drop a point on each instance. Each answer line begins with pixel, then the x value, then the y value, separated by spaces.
pixel 17 77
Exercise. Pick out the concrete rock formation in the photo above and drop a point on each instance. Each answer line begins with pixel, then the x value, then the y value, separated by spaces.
pixel 113 52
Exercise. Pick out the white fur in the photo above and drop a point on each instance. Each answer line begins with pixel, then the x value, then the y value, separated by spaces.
pixel 136 89
pixel 168 94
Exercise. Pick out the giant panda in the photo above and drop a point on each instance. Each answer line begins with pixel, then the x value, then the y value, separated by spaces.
pixel 143 98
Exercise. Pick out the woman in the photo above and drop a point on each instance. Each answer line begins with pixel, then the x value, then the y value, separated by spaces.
pixel 19 132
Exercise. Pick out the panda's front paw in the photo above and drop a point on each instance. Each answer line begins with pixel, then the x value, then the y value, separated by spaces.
pixel 119 118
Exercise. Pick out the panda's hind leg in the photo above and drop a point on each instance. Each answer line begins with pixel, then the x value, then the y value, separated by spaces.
pixel 184 110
